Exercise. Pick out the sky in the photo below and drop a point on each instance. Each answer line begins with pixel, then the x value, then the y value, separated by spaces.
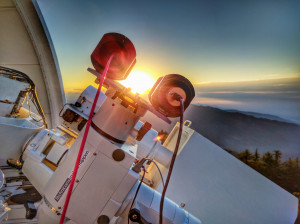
pixel 206 41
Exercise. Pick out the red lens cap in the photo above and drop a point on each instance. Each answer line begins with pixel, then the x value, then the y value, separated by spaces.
pixel 124 56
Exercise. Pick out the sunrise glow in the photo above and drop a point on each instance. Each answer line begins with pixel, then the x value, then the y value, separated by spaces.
pixel 138 81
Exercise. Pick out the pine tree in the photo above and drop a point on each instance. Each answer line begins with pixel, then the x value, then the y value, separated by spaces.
pixel 268 159
pixel 296 162
pixel 277 156
pixel 245 156
pixel 256 156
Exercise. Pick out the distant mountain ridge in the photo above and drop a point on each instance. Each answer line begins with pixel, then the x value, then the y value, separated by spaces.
pixel 266 116
pixel 238 131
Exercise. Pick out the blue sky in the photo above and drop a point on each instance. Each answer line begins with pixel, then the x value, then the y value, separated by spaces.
pixel 207 41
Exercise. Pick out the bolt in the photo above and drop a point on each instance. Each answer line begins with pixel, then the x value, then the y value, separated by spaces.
pixel 77 181
pixel 94 153
pixel 134 216
pixel 182 205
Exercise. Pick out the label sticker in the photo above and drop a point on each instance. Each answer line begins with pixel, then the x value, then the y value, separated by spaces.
pixel 68 180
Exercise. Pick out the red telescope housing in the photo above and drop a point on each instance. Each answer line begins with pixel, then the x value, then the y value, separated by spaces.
pixel 124 56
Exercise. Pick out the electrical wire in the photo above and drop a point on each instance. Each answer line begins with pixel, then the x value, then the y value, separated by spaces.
pixel 29 111
pixel 172 161
pixel 137 191
pixel 14 73
pixel 160 173
pixel 141 162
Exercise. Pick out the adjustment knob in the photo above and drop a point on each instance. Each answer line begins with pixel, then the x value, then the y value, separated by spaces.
pixel 143 130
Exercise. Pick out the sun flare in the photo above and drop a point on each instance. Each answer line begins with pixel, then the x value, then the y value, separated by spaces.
pixel 138 81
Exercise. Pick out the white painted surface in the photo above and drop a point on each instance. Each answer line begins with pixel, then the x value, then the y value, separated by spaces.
pixel 147 202
pixel 218 188
pixel 13 135
pixel 24 46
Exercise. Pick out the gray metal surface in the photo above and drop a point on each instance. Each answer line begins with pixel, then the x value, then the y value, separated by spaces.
pixel 218 188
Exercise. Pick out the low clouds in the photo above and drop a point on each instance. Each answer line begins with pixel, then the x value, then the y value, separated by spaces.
pixel 279 97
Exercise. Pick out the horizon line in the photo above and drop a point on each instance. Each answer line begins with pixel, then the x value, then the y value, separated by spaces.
pixel 297 75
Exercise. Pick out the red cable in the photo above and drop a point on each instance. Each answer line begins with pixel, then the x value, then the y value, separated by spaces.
pixel 61 221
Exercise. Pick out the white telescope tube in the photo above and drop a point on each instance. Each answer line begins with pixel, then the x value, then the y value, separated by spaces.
pixel 151 148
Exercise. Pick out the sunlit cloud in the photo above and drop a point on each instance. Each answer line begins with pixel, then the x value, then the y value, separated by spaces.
pixel 262 92
pixel 214 101
pixel 75 90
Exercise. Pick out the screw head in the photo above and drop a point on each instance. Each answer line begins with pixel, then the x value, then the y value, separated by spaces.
pixel 118 155
pixel 103 219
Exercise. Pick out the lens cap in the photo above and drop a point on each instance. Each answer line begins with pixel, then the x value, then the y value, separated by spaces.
pixel 124 56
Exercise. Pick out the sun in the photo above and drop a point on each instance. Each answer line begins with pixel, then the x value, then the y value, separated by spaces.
pixel 138 81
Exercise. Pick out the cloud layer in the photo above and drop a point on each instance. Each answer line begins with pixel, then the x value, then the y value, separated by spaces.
pixel 280 97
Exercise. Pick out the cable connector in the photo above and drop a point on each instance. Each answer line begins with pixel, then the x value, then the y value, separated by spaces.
pixel 176 96
pixel 139 165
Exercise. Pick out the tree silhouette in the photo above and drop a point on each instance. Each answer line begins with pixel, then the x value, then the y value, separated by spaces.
pixel 277 156
pixel 268 159
pixel 285 174
pixel 245 156
pixel 296 163
pixel 256 156
pixel 289 164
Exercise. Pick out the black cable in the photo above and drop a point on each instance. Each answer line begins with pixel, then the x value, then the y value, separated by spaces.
pixel 30 112
pixel 137 191
pixel 160 173
pixel 12 72
pixel 161 207
pixel 35 100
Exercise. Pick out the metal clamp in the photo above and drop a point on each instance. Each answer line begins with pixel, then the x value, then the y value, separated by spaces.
pixel 187 123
